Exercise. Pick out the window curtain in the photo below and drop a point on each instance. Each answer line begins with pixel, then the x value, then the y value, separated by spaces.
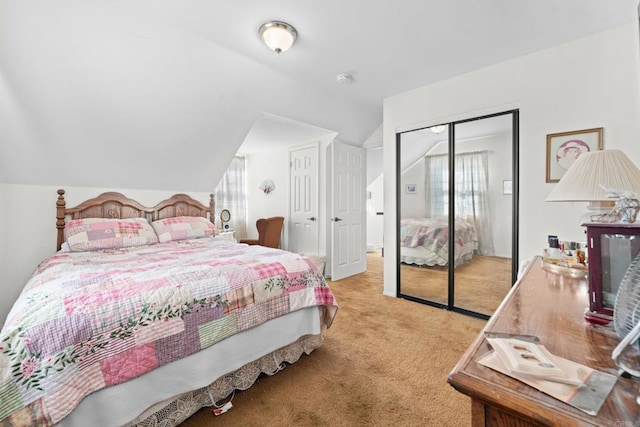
pixel 231 194
pixel 471 192
pixel 437 185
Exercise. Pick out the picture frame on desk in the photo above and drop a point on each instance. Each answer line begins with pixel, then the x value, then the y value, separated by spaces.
pixel 225 219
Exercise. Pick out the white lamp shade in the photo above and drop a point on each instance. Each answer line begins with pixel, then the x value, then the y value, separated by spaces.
pixel 278 36
pixel 585 179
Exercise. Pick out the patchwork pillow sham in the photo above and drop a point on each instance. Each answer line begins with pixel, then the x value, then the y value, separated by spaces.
pixel 89 234
pixel 183 227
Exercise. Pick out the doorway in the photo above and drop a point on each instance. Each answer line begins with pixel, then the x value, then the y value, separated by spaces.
pixel 457 213
pixel 327 206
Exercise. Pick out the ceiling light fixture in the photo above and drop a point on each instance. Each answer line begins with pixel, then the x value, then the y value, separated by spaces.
pixel 437 129
pixel 278 36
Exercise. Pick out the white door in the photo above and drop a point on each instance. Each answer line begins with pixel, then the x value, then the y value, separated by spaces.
pixel 303 206
pixel 348 211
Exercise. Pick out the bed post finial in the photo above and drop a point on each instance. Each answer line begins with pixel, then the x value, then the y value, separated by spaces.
pixel 212 208
pixel 61 206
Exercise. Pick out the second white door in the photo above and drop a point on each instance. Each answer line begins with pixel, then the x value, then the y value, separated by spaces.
pixel 348 211
pixel 303 222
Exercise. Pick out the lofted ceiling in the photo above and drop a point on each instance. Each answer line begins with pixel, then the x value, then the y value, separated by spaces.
pixel 161 94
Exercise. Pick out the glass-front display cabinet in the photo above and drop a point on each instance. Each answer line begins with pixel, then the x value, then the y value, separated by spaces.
pixel 611 248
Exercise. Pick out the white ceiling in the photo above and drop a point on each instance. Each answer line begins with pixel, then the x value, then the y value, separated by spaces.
pixel 161 94
pixel 271 132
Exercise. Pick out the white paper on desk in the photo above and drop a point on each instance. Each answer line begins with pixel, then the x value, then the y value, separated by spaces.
pixel 588 398
pixel 529 358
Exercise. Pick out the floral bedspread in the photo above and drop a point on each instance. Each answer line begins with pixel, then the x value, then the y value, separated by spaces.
pixel 89 320
pixel 433 234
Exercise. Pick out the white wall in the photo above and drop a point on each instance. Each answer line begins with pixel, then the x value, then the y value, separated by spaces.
pixel 274 164
pixel 414 205
pixel 500 204
pixel 8 294
pixel 375 163
pixel 587 83
pixel 28 228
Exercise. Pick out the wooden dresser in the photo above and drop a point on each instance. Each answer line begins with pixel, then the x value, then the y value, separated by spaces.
pixel 552 307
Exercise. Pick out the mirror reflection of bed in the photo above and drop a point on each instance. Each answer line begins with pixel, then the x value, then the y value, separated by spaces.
pixel 482 261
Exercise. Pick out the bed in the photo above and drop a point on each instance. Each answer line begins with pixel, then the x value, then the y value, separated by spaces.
pixel 424 241
pixel 143 316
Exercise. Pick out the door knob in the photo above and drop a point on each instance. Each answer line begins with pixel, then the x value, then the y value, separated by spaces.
pixel 336 219
pixel 313 218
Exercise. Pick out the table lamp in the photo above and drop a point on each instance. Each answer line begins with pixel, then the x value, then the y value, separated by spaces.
pixel 601 178
pixel 610 182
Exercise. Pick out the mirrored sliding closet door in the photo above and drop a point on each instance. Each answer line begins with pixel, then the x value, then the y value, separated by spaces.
pixel 457 212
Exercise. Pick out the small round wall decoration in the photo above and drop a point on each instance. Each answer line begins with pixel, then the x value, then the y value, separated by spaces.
pixel 267 186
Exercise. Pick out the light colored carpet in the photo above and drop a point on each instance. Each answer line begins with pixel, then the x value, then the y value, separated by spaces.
pixel 384 362
pixel 480 285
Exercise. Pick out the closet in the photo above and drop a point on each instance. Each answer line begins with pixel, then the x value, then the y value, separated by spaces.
pixel 457 204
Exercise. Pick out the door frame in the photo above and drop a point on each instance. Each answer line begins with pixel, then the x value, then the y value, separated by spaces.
pixel 515 132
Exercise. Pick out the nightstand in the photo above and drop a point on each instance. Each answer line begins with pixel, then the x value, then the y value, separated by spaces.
pixel 229 235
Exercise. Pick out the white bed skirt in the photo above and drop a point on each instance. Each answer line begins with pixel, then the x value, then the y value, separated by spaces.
pixel 422 256
pixel 132 402
pixel 175 411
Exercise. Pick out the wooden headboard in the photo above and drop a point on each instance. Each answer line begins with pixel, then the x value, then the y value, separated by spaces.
pixel 116 205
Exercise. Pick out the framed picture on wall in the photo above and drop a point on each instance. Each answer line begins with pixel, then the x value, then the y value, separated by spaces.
pixel 565 147
pixel 411 189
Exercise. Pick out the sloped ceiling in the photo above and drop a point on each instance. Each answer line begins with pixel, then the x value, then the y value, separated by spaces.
pixel 161 94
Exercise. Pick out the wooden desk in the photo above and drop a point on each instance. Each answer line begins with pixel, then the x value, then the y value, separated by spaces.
pixel 551 307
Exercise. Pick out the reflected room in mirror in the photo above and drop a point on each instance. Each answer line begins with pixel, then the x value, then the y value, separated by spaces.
pixel 472 268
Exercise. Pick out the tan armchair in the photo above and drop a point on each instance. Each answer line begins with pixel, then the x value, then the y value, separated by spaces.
pixel 269 230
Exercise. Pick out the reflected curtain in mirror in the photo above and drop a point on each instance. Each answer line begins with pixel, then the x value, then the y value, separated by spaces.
pixel 471 192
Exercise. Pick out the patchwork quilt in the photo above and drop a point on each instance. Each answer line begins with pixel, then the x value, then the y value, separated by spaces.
pixel 89 320
pixel 433 235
